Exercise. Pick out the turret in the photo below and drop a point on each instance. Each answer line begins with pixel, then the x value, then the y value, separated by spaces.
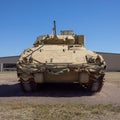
pixel 66 37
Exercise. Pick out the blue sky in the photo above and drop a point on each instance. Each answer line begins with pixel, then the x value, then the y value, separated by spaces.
pixel 21 21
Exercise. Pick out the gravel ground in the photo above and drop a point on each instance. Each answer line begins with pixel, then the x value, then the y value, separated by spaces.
pixel 10 92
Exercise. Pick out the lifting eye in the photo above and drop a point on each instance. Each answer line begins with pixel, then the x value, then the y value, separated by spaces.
pixel 25 59
pixel 51 60
pixel 30 59
pixel 98 59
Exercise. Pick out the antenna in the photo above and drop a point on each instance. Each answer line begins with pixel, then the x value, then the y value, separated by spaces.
pixel 54 28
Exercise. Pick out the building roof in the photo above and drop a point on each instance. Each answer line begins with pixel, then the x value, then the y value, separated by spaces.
pixel 10 59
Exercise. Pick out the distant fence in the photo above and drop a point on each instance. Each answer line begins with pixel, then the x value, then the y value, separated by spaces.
pixel 8 67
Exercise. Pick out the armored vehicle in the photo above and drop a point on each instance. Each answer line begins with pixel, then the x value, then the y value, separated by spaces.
pixel 60 59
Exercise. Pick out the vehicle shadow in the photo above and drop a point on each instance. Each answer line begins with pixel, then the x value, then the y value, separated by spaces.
pixel 45 90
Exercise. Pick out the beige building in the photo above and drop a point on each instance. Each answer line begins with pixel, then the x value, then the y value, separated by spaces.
pixel 112 61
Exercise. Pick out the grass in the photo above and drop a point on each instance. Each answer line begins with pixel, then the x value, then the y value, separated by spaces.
pixel 58 112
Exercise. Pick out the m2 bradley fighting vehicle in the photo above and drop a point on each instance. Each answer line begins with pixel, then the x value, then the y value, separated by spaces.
pixel 60 59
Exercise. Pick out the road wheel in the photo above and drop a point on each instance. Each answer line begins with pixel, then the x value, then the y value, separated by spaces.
pixel 97 85
pixel 27 86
